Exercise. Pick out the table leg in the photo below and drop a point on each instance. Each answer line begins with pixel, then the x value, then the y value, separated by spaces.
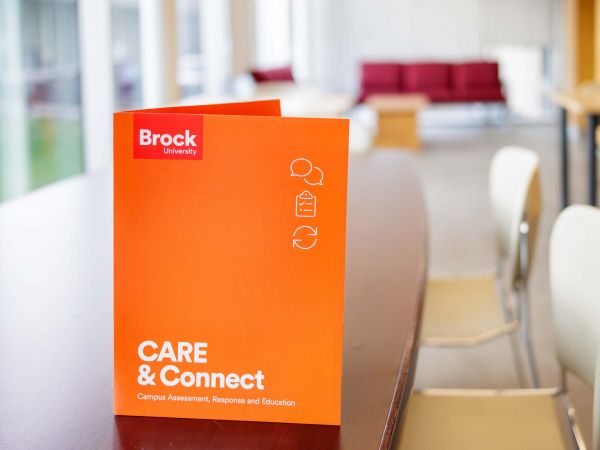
pixel 592 170
pixel 564 158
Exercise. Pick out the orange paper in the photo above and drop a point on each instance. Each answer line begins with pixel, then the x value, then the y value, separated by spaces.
pixel 229 263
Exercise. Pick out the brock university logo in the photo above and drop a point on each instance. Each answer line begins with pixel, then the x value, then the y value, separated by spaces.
pixel 167 136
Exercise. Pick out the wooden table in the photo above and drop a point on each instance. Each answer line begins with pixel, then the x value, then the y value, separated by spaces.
pixel 582 101
pixel 397 119
pixel 56 322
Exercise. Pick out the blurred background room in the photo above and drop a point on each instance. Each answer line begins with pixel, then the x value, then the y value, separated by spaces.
pixel 65 64
pixel 461 78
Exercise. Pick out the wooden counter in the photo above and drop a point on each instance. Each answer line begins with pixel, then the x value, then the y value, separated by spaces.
pixel 56 322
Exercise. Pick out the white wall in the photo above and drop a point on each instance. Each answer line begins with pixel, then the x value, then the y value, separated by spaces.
pixel 97 82
pixel 242 35
pixel 272 39
pixel 351 31
pixel 215 27
pixel 158 44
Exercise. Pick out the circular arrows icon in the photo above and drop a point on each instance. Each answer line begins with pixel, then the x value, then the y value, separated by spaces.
pixel 305 237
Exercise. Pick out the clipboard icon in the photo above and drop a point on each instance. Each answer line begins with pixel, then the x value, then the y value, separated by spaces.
pixel 306 204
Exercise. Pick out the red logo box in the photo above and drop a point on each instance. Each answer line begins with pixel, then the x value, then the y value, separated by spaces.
pixel 167 136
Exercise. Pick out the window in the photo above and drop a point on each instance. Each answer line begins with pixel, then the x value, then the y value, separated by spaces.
pixel 273 33
pixel 190 61
pixel 125 17
pixel 40 104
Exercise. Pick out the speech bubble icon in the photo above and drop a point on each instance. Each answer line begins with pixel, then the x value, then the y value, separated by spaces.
pixel 315 177
pixel 300 167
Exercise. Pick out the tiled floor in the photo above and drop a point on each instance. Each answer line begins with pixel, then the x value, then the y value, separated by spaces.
pixel 454 167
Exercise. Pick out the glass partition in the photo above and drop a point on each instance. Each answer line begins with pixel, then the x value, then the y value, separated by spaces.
pixel 125 18
pixel 190 60
pixel 40 99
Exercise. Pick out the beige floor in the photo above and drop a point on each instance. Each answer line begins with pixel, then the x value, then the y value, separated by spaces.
pixel 454 168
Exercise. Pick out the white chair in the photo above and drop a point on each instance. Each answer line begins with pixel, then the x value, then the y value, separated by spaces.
pixel 575 284
pixel 529 419
pixel 470 310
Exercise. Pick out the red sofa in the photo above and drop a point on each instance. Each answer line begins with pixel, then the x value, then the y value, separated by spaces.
pixel 475 81
pixel 277 74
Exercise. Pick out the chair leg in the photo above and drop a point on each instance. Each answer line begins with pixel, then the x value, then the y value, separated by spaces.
pixel 502 292
pixel 531 361
pixel 576 438
pixel 524 305
pixel 526 336
pixel 509 317
pixel 563 379
pixel 515 346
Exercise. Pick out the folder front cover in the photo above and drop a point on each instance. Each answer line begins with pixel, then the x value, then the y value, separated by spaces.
pixel 230 229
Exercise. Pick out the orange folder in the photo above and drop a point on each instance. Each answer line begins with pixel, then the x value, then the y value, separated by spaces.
pixel 229 225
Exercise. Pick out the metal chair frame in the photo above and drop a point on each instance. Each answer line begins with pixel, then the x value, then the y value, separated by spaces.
pixel 517 320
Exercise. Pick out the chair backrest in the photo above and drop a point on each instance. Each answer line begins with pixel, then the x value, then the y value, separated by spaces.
pixel 515 196
pixel 575 285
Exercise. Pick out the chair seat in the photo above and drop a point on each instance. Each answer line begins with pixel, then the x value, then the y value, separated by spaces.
pixel 462 311
pixel 462 421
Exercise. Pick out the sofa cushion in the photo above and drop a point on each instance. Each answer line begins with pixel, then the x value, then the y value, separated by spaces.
pixel 475 75
pixel 367 90
pixel 421 76
pixel 478 94
pixel 435 94
pixel 277 74
pixel 388 75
